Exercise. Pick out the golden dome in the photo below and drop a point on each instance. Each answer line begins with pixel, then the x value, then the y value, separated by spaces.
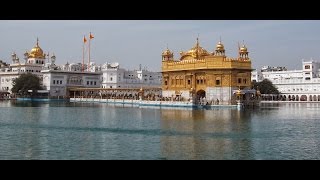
pixel 220 46
pixel 243 49
pixel 36 52
pixel 197 51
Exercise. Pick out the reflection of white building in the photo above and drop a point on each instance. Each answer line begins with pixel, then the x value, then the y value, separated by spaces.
pixel 296 85
pixel 116 77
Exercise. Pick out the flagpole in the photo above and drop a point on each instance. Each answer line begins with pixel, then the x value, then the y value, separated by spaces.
pixel 83 53
pixel 89 51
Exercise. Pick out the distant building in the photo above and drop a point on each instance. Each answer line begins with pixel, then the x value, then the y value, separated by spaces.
pixel 294 85
pixel 115 77
pixel 272 69
pixel 59 79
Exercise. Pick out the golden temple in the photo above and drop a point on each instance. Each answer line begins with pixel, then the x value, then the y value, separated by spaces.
pixel 206 74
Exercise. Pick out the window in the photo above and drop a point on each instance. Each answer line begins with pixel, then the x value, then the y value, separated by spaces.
pixel 110 87
pixel 95 83
pixel 307 78
pixel 217 82
pixel 307 67
pixel 245 81
pixel 239 81
pixel 165 83
pixel 204 81
pixel 111 79
pixel 201 81
pixel 189 82
pixel 198 81
pixel 54 81
pixel 91 83
pixel 87 82
pixel 60 82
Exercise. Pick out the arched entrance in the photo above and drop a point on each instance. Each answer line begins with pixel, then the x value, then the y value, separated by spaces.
pixel 201 94
pixel 303 98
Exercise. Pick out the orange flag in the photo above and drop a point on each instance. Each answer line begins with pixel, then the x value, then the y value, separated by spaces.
pixel 91 36
pixel 84 39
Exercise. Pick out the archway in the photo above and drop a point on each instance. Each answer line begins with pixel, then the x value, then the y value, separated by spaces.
pixel 310 98
pixel 314 98
pixel 297 98
pixel 201 94
pixel 303 98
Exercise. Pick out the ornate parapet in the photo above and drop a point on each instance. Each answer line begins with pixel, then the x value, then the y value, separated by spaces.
pixel 208 63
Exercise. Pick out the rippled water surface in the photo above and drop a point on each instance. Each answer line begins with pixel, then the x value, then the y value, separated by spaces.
pixel 60 130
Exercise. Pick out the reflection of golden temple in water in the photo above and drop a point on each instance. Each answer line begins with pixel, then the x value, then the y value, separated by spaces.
pixel 211 75
pixel 201 134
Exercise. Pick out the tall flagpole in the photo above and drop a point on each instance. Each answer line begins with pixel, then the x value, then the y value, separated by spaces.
pixel 89 51
pixel 90 37
pixel 84 42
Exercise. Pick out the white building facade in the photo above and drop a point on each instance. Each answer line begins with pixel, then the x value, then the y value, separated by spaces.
pixel 295 85
pixel 34 62
pixel 57 80
pixel 115 77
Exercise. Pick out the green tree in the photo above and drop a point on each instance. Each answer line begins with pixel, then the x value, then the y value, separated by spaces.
pixel 265 87
pixel 26 82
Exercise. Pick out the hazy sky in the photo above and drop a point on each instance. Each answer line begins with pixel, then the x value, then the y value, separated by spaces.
pixel 274 43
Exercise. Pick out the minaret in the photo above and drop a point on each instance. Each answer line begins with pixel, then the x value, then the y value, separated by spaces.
pixel 53 59
pixel 26 56
pixel 243 52
pixel 167 55
pixel 15 59
pixel 220 51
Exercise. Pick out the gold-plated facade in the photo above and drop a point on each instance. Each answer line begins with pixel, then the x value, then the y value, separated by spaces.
pixel 197 69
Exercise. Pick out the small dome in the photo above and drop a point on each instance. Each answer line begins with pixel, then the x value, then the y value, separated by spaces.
pixel 167 52
pixel 220 46
pixel 243 49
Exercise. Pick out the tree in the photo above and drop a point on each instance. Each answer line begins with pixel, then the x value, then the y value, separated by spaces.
pixel 26 82
pixel 265 87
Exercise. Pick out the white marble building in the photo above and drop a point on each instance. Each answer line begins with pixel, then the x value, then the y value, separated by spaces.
pixel 115 77
pixel 57 80
pixel 294 85
pixel 33 63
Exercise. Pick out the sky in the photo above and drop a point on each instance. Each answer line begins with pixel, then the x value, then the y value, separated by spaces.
pixel 269 42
